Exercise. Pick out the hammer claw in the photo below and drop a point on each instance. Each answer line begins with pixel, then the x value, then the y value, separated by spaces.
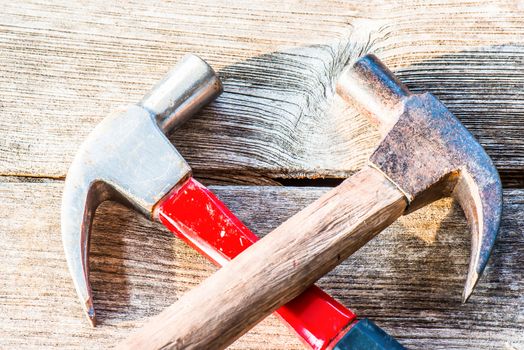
pixel 77 216
pixel 481 200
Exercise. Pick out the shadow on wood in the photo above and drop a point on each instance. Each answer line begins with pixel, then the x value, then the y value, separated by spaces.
pixel 131 263
pixel 279 117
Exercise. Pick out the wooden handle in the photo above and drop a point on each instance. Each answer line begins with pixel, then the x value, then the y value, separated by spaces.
pixel 277 268
pixel 194 214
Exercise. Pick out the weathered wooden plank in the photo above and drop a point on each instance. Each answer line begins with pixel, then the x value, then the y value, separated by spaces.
pixel 66 65
pixel 408 279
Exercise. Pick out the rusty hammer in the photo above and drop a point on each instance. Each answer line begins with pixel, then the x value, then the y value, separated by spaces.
pixel 425 154
pixel 127 158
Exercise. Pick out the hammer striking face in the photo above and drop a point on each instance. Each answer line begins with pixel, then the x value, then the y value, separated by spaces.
pixel 127 158
pixel 425 154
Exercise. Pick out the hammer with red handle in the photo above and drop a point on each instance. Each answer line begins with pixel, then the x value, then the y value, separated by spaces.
pixel 425 154
pixel 128 158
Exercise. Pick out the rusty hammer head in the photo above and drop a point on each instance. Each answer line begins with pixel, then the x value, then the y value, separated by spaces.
pixel 428 154
pixel 128 158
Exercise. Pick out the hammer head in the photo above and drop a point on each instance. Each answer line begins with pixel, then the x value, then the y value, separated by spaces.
pixel 428 154
pixel 128 158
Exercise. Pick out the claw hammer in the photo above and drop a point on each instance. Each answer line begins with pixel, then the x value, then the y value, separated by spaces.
pixel 425 154
pixel 128 158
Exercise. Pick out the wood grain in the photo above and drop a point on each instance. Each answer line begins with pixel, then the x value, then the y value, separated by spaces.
pixel 409 279
pixel 66 65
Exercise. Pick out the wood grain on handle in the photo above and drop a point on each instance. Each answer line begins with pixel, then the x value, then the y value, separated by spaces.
pixel 277 268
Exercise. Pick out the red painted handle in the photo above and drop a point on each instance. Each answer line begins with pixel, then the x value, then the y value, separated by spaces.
pixel 196 215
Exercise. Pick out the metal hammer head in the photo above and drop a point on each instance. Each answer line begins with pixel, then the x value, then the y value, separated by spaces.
pixel 428 154
pixel 128 158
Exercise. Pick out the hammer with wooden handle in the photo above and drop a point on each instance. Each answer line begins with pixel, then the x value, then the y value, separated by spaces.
pixel 128 158
pixel 425 154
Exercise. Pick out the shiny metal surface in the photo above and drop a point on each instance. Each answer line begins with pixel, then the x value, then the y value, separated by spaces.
pixel 173 100
pixel 376 91
pixel 428 154
pixel 128 158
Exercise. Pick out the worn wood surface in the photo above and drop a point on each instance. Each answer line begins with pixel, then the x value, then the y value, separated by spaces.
pixel 409 279
pixel 66 65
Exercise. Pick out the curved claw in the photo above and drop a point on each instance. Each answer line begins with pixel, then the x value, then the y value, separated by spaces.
pixel 479 193
pixel 80 199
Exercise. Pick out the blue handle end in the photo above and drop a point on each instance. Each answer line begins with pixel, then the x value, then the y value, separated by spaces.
pixel 365 335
